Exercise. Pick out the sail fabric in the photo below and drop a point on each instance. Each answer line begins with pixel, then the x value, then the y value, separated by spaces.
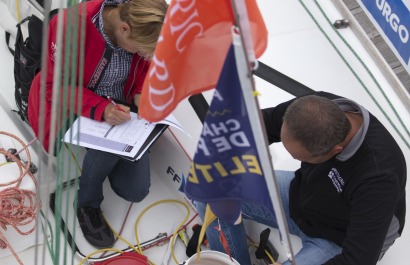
pixel 226 168
pixel 190 52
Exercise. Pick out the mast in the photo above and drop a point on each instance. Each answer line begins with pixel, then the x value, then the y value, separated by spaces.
pixel 244 63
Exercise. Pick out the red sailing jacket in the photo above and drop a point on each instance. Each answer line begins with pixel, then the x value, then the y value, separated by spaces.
pixel 94 61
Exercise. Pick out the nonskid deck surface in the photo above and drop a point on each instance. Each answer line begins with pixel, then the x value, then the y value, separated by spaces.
pixel 297 48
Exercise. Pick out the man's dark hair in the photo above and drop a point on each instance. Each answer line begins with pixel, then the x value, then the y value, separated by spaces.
pixel 317 122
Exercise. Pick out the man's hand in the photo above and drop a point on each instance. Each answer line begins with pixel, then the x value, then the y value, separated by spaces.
pixel 114 116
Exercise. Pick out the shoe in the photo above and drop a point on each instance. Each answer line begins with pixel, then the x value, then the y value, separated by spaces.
pixel 94 227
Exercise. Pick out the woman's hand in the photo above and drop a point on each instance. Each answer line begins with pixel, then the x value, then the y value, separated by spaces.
pixel 114 116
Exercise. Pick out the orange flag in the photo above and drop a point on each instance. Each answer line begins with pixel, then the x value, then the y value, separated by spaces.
pixel 191 50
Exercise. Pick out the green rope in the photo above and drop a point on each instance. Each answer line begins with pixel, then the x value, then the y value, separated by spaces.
pixel 49 244
pixel 355 74
pixel 74 50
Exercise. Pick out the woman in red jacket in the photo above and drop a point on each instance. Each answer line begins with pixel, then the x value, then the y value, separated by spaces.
pixel 119 40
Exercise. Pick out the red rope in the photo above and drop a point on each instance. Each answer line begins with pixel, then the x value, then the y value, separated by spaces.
pixel 17 206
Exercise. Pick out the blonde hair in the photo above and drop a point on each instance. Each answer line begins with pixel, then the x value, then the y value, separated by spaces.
pixel 145 18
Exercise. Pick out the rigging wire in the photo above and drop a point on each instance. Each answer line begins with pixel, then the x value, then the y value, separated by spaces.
pixel 356 75
pixel 63 107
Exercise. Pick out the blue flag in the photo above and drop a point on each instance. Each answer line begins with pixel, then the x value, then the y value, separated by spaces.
pixel 226 168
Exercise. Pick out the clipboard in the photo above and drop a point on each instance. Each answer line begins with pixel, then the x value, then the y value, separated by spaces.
pixel 129 140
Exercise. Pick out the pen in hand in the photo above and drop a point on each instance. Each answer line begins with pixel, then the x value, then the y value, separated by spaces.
pixel 114 104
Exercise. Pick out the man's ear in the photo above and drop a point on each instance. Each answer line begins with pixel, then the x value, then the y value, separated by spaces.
pixel 337 149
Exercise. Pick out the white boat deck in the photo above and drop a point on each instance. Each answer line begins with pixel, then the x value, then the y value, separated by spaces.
pixel 298 49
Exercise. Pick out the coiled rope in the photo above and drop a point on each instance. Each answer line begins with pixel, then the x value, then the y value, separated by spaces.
pixel 17 206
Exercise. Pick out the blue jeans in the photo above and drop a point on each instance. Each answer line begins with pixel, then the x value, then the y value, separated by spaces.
pixel 314 250
pixel 129 180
